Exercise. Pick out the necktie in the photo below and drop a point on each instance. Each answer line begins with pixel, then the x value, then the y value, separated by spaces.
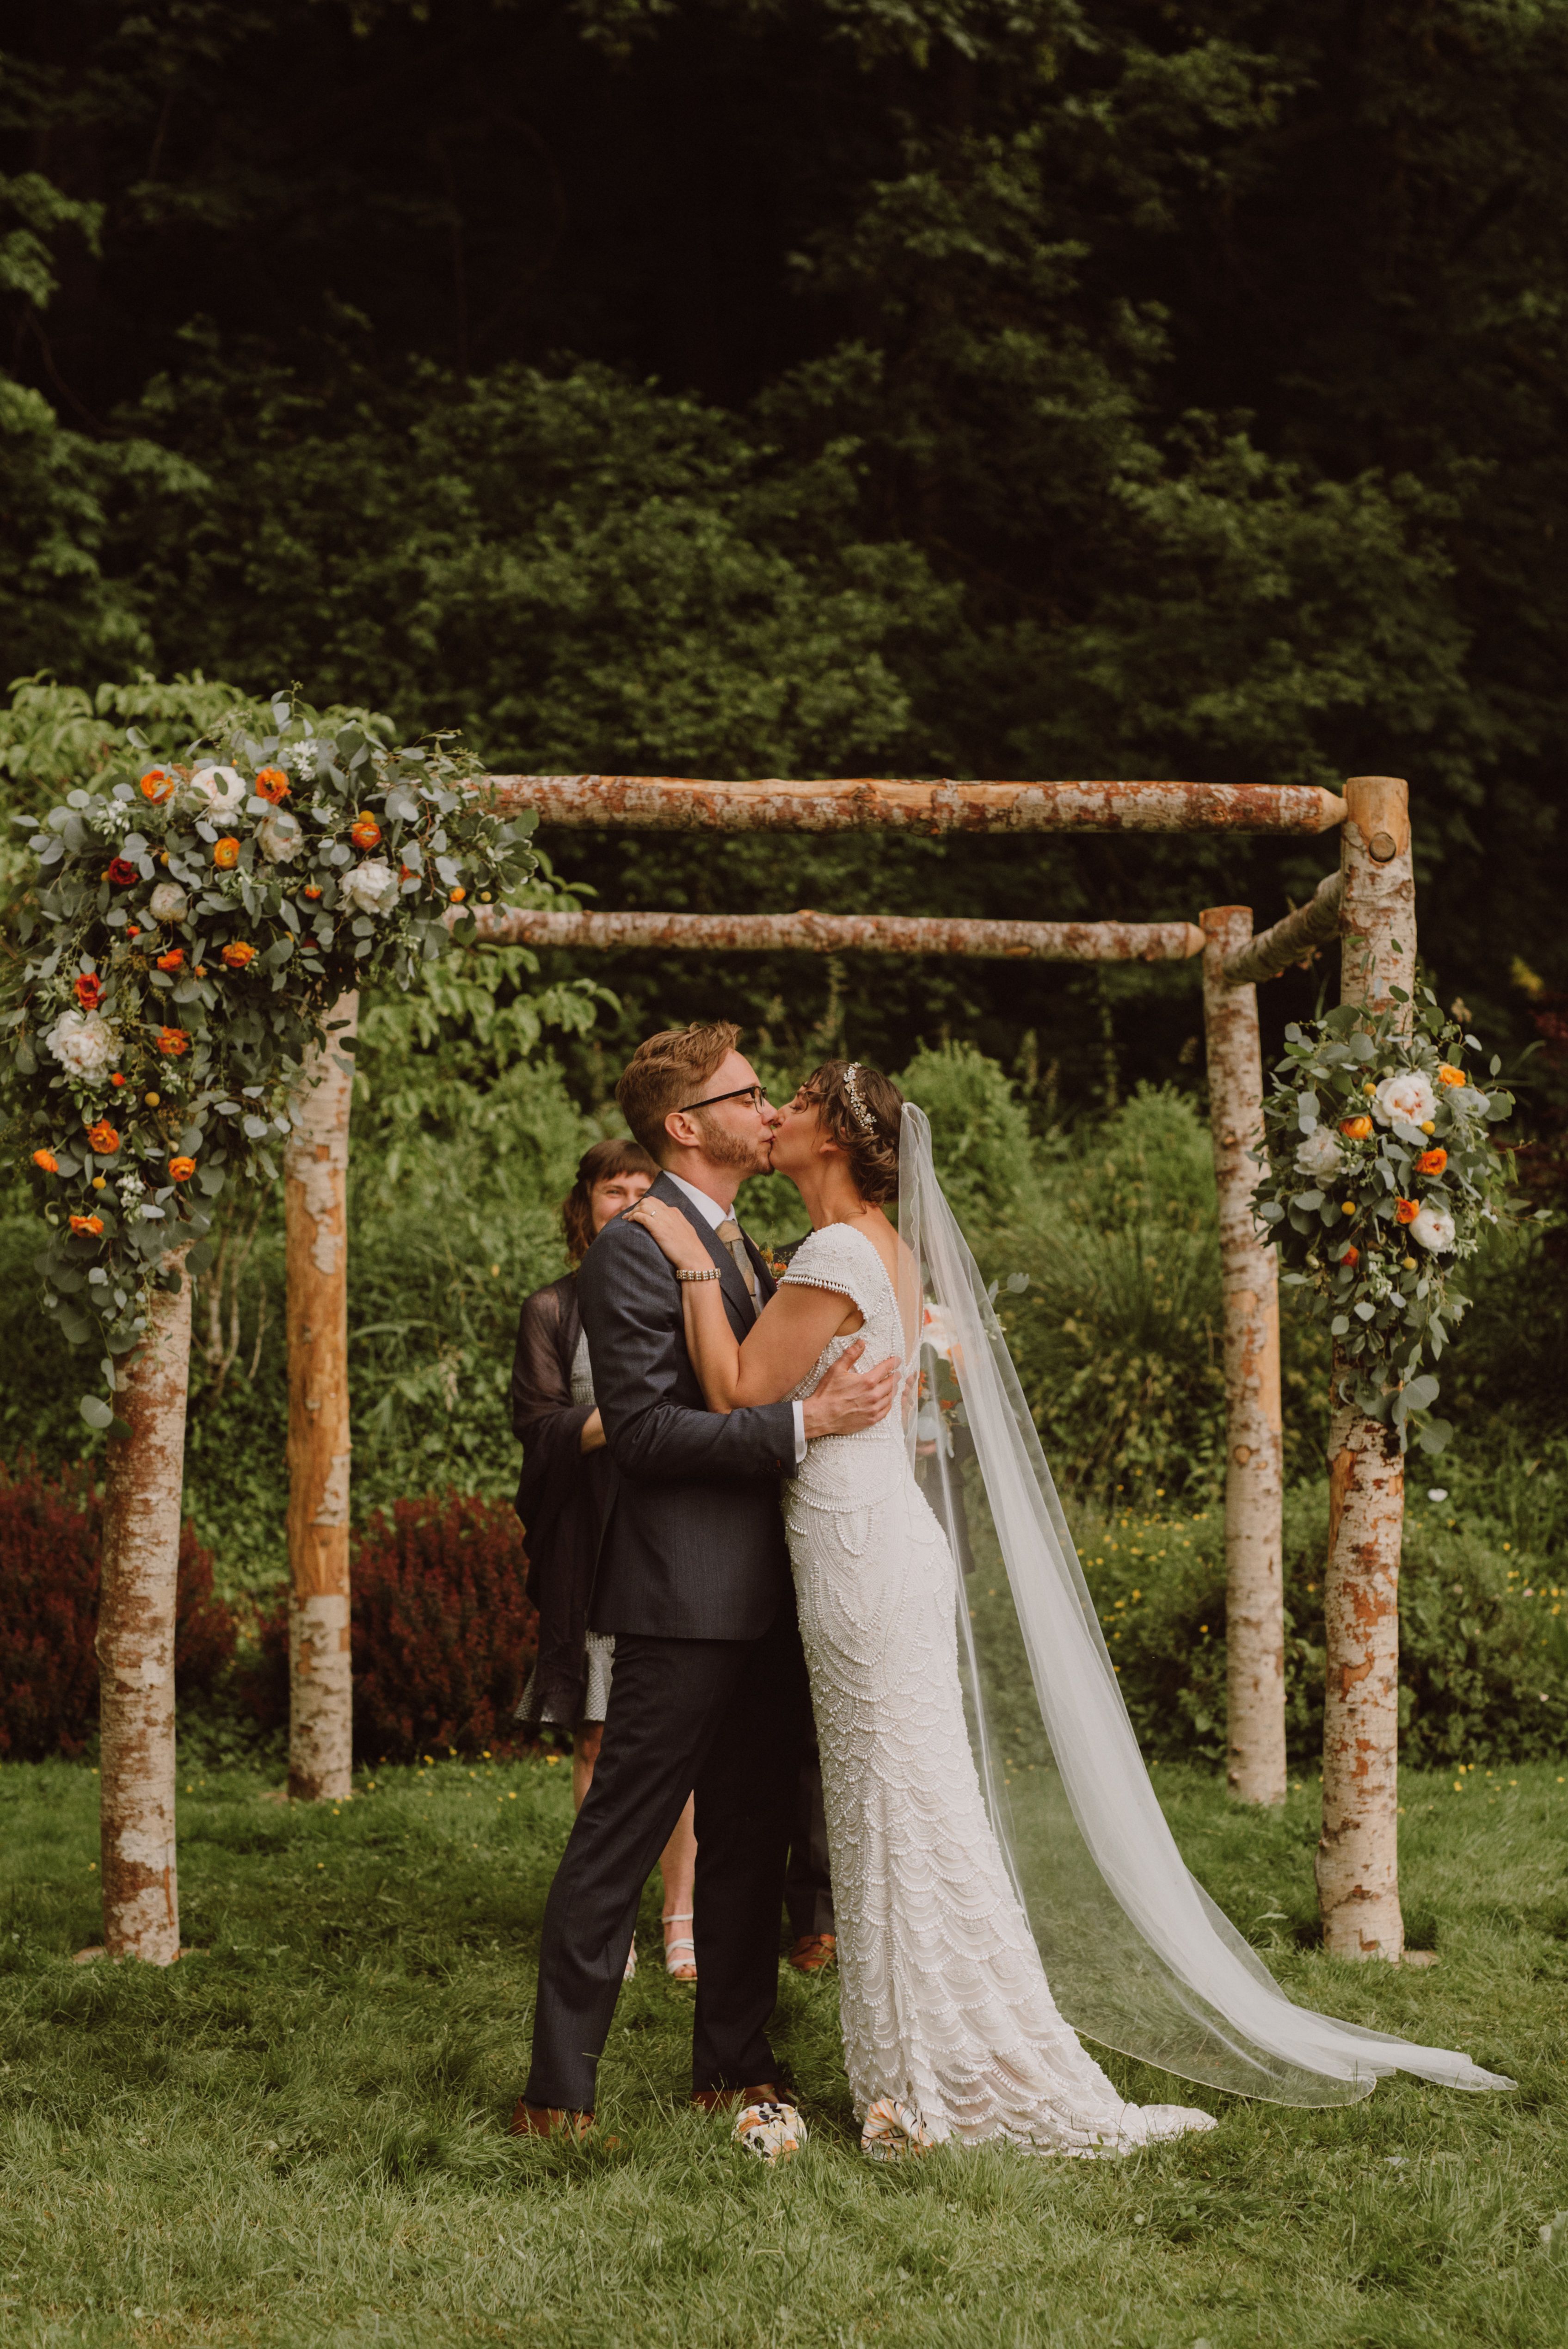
pixel 729 1232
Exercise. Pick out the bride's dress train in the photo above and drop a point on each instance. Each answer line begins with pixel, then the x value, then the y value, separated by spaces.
pixel 946 2008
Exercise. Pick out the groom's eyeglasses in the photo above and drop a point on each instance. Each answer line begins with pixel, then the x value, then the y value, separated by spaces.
pixel 756 1094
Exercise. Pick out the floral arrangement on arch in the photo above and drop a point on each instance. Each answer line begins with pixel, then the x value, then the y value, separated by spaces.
pixel 1381 1175
pixel 192 926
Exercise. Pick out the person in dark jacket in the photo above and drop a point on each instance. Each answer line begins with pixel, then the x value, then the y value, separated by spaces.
pixel 561 1495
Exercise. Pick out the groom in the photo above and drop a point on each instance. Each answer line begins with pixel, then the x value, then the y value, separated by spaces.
pixel 708 1690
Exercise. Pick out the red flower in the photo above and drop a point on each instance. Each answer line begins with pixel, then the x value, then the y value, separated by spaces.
pixel 47 1161
pixel 93 1223
pixel 103 1139
pixel 1349 1257
pixel 1431 1162
pixel 118 1079
pixel 173 960
pixel 172 1041
pixel 272 783
pixel 122 871
pixel 89 990
pixel 311 891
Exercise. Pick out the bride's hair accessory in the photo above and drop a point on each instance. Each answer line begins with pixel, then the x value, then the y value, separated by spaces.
pixel 851 1086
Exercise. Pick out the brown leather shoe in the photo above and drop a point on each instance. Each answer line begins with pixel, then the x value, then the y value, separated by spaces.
pixel 727 2100
pixel 547 2120
pixel 812 1951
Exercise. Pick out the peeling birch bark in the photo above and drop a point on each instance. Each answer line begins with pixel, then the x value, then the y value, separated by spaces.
pixel 143 1486
pixel 316 1219
pixel 847 934
pixel 682 804
pixel 1358 1863
pixel 1254 1591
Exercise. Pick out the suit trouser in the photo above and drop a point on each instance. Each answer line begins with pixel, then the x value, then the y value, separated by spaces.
pixel 728 1720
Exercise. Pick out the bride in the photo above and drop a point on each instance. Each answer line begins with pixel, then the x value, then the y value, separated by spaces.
pixel 949 1871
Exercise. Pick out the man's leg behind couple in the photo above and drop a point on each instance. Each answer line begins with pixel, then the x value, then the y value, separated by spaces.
pixel 729 1719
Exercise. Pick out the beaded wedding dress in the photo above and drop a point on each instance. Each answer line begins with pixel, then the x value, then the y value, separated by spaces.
pixel 949 2026
pixel 1003 1877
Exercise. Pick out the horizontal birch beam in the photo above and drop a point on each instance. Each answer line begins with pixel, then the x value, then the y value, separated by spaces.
pixel 1316 924
pixel 677 803
pixel 847 934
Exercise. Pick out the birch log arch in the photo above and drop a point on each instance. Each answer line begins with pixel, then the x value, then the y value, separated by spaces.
pixel 1363 903
pixel 192 929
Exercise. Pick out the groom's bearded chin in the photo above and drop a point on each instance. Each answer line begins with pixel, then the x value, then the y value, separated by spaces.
pixel 726 1149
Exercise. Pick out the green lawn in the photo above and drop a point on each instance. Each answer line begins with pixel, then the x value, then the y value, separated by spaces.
pixel 298 2136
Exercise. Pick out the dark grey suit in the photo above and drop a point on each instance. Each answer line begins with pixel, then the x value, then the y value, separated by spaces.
pixel 709 1691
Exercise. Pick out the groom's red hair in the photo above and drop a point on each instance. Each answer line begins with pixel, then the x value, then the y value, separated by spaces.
pixel 666 1073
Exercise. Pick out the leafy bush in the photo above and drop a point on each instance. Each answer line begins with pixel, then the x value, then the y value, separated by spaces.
pixel 979 1134
pixel 50 1536
pixel 443 1635
pixel 1484 1654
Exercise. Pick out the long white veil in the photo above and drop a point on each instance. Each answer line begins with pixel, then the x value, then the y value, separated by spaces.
pixel 1138 1956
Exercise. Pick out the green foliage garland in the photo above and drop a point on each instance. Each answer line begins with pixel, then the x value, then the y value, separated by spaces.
pixel 192 925
pixel 1381 1173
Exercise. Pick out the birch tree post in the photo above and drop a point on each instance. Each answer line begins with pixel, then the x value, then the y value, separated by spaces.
pixel 135 1640
pixel 1358 1863
pixel 315 1225
pixel 1255 1596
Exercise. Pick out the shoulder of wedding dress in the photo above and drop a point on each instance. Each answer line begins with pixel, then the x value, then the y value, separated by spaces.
pixel 836 1255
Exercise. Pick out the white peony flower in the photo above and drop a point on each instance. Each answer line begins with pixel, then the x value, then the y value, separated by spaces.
pixel 85 1042
pixel 371 886
pixel 1320 1153
pixel 224 789
pixel 168 903
pixel 1434 1229
pixel 281 836
pixel 1403 1098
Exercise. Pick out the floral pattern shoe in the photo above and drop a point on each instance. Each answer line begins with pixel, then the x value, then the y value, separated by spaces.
pixel 773 2132
pixel 895 2131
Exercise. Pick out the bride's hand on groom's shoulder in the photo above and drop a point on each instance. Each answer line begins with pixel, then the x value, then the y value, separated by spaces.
pixel 671 1232
pixel 849 1399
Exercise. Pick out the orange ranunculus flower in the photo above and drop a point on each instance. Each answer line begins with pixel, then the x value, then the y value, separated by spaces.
pixel 181 1170
pixel 103 1139
pixel 457 896
pixel 172 1041
pixel 1356 1129
pixel 1431 1162
pixel 1406 1210
pixel 157 784
pixel 93 1223
pixel 272 783
pixel 1349 1257
pixel 173 960
pixel 1449 1075
pixel 47 1161
pixel 226 852
pixel 89 991
pixel 239 954
pixel 365 831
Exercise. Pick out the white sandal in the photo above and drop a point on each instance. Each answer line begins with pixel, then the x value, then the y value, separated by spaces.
pixel 631 1966
pixel 680 1969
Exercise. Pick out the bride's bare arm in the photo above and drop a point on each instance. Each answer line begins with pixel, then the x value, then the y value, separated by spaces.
pixel 790 1332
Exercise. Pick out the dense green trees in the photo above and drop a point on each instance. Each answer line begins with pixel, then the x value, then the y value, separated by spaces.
pixel 825 385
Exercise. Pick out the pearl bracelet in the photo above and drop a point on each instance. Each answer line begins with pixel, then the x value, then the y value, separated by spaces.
pixel 713 1273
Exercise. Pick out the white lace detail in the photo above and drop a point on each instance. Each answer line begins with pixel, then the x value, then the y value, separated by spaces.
pixel 943 2001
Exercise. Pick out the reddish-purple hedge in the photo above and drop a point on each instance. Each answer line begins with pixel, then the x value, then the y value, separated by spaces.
pixel 49 1537
pixel 443 1636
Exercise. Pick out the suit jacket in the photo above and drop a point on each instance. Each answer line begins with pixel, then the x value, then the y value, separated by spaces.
pixel 693 1546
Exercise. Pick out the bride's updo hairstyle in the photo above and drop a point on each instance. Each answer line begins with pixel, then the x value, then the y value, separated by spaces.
pixel 861 1108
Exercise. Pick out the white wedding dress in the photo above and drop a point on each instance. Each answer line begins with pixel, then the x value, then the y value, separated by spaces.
pixel 950 2029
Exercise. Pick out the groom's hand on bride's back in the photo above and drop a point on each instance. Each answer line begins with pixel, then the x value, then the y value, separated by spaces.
pixel 847 1399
